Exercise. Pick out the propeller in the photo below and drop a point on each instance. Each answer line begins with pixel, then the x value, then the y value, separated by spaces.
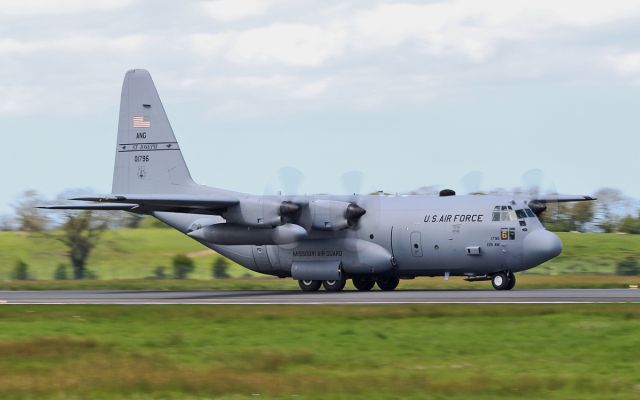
pixel 532 180
pixel 472 182
pixel 291 180
pixel 352 182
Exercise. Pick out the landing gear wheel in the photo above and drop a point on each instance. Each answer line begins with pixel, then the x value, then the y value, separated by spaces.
pixel 512 281
pixel 500 281
pixel 388 283
pixel 334 286
pixel 309 286
pixel 363 283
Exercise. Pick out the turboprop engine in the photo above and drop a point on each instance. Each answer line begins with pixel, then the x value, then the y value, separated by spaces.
pixel 232 234
pixel 333 215
pixel 261 212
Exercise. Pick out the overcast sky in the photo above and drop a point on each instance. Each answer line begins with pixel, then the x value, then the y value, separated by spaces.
pixel 410 93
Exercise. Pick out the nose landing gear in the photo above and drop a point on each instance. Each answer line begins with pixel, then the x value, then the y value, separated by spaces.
pixel 503 281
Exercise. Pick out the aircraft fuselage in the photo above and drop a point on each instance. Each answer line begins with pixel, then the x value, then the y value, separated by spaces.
pixel 408 236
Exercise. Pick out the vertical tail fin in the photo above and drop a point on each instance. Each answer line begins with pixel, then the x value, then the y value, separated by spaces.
pixel 148 157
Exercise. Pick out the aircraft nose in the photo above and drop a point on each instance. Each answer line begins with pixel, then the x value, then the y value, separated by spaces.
pixel 541 245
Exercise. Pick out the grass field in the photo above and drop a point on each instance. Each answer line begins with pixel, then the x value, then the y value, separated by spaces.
pixel 320 352
pixel 134 254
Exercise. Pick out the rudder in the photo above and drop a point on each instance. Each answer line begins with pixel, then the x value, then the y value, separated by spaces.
pixel 148 157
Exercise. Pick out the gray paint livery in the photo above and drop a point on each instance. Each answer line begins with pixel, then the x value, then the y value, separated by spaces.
pixel 320 239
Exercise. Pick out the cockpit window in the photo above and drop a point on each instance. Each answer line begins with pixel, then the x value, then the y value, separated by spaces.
pixel 507 213
pixel 496 213
pixel 530 213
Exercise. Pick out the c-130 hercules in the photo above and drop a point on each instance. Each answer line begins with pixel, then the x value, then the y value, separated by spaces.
pixel 321 240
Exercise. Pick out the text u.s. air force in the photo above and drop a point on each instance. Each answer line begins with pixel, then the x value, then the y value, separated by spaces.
pixel 457 218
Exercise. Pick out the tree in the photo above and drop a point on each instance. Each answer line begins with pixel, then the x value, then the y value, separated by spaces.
pixel 628 266
pixel 29 218
pixel 160 273
pixel 581 213
pixel 182 266
pixel 219 268
pixel 630 224
pixel 60 274
pixel 6 223
pixel 80 233
pixel 557 218
pixel 20 271
pixel 609 203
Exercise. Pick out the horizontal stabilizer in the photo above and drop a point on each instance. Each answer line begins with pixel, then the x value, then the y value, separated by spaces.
pixel 93 207
pixel 190 204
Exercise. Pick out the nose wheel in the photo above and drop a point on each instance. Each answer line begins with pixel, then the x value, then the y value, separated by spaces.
pixel 503 281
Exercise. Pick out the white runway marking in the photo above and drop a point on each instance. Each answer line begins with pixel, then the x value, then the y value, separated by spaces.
pixel 292 297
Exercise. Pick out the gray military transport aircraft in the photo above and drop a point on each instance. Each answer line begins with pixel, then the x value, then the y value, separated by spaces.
pixel 321 240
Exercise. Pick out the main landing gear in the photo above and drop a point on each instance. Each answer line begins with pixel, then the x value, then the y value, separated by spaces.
pixel 503 281
pixel 362 283
pixel 329 286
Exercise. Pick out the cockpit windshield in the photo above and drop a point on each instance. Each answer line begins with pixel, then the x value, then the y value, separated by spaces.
pixel 507 213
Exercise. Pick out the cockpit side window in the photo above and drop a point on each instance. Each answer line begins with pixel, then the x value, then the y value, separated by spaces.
pixel 521 214
pixel 496 213
pixel 530 213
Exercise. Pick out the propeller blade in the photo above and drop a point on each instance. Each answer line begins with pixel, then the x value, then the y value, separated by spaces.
pixel 352 182
pixel 291 180
pixel 472 182
pixel 532 180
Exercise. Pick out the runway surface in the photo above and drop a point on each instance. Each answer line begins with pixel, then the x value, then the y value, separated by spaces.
pixel 542 296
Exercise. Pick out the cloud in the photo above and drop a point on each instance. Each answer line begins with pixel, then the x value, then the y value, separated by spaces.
pixel 475 28
pixel 19 100
pixel 77 44
pixel 235 10
pixel 297 45
pixel 12 8
pixel 288 44
pixel 354 54
pixel 626 63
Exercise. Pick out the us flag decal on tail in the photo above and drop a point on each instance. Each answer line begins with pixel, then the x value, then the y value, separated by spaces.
pixel 141 122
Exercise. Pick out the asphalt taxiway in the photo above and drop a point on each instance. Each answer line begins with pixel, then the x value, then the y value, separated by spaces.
pixel 540 296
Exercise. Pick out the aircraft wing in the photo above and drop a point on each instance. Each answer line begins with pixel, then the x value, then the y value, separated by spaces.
pixel 145 203
pixel 560 198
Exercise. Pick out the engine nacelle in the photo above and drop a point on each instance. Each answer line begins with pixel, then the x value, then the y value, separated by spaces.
pixel 235 235
pixel 333 215
pixel 256 212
